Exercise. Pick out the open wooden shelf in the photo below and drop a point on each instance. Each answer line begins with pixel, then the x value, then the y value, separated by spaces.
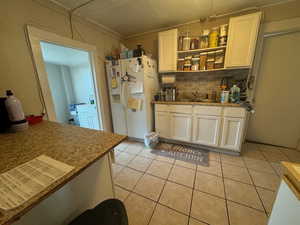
pixel 202 50
pixel 201 71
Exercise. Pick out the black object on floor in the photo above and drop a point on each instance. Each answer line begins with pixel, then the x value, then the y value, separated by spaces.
pixel 109 212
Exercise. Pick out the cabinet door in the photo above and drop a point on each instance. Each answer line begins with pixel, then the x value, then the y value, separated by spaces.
pixel 167 50
pixel 206 130
pixel 242 36
pixel 181 126
pixel 231 137
pixel 162 124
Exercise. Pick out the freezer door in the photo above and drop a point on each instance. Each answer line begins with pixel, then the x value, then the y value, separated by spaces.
pixel 137 120
pixel 135 71
pixel 119 118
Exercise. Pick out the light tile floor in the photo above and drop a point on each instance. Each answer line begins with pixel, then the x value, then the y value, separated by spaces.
pixel 233 190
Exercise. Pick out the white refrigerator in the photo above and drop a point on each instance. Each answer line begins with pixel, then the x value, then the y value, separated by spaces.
pixel 132 85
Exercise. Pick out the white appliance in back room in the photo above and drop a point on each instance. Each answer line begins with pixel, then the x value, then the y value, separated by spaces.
pixel 132 84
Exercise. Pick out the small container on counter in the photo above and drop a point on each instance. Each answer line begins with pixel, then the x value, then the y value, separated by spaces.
pixel 195 63
pixel 214 37
pixel 219 59
pixel 224 96
pixel 210 62
pixel 180 64
pixel 203 57
pixel 204 39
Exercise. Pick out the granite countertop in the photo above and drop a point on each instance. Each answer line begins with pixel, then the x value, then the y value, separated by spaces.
pixel 291 175
pixel 197 103
pixel 76 146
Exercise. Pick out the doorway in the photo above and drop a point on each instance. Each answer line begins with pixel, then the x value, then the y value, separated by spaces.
pixel 276 120
pixel 71 84
pixel 69 80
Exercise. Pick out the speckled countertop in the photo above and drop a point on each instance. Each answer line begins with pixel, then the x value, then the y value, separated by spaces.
pixel 76 146
pixel 291 175
pixel 197 103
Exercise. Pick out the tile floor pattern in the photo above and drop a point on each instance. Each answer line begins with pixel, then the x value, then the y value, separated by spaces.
pixel 233 190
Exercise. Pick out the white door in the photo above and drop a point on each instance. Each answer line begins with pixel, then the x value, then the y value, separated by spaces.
pixel 242 36
pixel 167 51
pixel 162 124
pixel 231 135
pixel 181 126
pixel 277 106
pixel 206 130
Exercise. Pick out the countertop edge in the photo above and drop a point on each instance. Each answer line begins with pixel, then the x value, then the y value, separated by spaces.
pixel 291 177
pixel 198 103
pixel 67 179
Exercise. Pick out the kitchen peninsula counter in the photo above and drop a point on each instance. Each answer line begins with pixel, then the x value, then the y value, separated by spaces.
pixel 75 146
pixel 196 103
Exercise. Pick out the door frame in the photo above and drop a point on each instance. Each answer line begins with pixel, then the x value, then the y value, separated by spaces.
pixel 270 29
pixel 36 36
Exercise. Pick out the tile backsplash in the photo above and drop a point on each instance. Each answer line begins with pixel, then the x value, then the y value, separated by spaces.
pixel 205 82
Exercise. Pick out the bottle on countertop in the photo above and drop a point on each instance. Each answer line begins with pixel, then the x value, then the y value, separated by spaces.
pixel 15 112
pixel 235 94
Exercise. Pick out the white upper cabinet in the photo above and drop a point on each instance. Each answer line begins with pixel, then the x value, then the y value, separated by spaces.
pixel 206 130
pixel 181 126
pixel 242 36
pixel 167 50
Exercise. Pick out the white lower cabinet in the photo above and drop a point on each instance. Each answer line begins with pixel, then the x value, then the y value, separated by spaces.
pixel 206 130
pixel 219 127
pixel 181 126
pixel 231 136
pixel 162 124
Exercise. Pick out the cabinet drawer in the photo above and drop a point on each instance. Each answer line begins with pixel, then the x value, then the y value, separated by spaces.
pixel 161 108
pixel 234 112
pixel 186 109
pixel 208 110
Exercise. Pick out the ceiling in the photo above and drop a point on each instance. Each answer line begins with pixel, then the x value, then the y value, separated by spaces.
pixel 64 56
pixel 129 17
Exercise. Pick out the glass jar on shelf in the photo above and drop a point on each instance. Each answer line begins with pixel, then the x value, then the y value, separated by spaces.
pixel 214 37
pixel 195 63
pixel 194 43
pixel 180 41
pixel 219 59
pixel 203 57
pixel 186 43
pixel 204 39
pixel 180 64
pixel 210 62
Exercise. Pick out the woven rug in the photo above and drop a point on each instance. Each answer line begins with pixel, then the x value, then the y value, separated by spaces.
pixel 181 152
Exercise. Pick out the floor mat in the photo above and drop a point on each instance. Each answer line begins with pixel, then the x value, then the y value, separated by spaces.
pixel 181 152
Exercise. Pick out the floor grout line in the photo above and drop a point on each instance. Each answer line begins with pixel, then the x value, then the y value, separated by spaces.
pixel 162 190
pixel 226 203
pixel 261 201
pixel 193 188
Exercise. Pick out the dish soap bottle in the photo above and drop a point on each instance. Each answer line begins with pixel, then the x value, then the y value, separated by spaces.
pixel 235 94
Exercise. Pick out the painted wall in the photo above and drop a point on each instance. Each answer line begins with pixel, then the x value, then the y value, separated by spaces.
pixel 58 91
pixel 17 70
pixel 274 13
pixel 82 81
